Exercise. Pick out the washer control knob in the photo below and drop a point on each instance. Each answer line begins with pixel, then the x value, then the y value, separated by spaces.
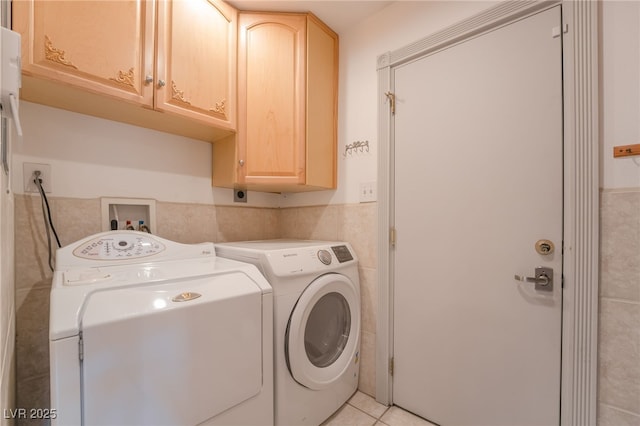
pixel 123 245
pixel 324 256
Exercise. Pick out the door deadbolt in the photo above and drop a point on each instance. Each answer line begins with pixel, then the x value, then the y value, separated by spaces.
pixel 544 247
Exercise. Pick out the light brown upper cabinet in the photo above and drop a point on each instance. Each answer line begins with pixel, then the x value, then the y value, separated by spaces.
pixel 287 106
pixel 89 56
pixel 196 60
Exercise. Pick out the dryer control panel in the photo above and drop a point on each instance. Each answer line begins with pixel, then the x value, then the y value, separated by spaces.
pixel 119 246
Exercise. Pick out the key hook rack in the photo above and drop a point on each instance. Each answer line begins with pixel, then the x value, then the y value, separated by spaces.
pixel 354 147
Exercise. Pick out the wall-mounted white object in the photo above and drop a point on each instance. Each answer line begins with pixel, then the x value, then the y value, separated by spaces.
pixel 128 209
pixel 368 192
pixel 11 76
pixel 28 170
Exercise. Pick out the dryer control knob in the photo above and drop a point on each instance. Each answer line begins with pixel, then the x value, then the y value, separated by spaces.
pixel 324 256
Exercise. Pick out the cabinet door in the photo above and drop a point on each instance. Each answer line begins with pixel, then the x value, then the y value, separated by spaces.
pixel 272 79
pixel 196 60
pixel 101 46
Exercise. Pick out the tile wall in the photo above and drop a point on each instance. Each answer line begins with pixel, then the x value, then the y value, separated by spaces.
pixel 619 337
pixel 187 223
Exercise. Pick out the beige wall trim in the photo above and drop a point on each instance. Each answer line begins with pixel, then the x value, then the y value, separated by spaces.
pixel 581 186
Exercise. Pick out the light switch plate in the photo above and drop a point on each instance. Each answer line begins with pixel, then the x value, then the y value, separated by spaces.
pixel 368 192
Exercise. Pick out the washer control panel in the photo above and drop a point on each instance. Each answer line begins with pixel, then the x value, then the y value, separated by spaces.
pixel 305 260
pixel 342 253
pixel 119 246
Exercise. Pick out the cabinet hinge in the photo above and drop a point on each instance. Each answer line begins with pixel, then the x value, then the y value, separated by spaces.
pixel 392 236
pixel 81 348
pixel 391 366
pixel 392 101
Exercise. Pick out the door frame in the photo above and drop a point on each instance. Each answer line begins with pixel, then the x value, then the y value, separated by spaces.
pixel 580 28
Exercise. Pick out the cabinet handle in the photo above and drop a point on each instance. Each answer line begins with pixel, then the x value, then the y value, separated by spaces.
pixel 148 80
pixel 241 162
pixel 161 83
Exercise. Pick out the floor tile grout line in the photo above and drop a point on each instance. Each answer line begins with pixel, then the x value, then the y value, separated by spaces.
pixel 369 414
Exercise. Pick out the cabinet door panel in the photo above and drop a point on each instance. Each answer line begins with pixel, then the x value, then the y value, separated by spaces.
pixel 272 81
pixel 69 42
pixel 322 105
pixel 196 60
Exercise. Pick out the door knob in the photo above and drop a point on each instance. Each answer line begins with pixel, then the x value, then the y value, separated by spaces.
pixel 543 278
pixel 148 79
pixel 161 83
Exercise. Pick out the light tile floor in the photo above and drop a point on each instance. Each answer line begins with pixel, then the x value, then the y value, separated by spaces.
pixel 363 410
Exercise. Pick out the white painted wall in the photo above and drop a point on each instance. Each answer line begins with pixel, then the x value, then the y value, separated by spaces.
pixel 92 157
pixel 620 91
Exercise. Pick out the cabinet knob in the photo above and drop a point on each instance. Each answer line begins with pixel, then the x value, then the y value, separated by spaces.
pixel 241 162
pixel 148 80
pixel 161 83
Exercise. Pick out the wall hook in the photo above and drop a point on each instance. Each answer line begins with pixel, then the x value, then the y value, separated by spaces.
pixel 355 147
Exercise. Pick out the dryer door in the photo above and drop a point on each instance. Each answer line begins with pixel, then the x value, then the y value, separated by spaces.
pixel 323 333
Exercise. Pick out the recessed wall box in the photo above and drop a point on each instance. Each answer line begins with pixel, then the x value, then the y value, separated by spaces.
pixel 133 210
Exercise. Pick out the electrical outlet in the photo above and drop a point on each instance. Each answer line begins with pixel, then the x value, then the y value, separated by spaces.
pixel 239 195
pixel 45 174
pixel 368 192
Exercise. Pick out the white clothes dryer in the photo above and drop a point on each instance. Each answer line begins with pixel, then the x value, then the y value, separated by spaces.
pixel 146 331
pixel 316 291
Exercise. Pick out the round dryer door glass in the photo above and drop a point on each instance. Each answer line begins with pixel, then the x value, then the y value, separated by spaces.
pixel 327 331
pixel 323 334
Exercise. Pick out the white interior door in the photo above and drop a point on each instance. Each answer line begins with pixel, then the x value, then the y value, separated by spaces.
pixel 478 181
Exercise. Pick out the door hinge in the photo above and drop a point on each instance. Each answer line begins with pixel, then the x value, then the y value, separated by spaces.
pixel 392 236
pixel 81 348
pixel 556 31
pixel 392 101
pixel 391 366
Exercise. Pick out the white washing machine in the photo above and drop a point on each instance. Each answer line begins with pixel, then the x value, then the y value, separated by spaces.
pixel 146 331
pixel 316 297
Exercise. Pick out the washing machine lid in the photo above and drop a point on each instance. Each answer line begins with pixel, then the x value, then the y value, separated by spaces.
pixel 73 287
pixel 323 331
pixel 192 347
pixel 92 265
